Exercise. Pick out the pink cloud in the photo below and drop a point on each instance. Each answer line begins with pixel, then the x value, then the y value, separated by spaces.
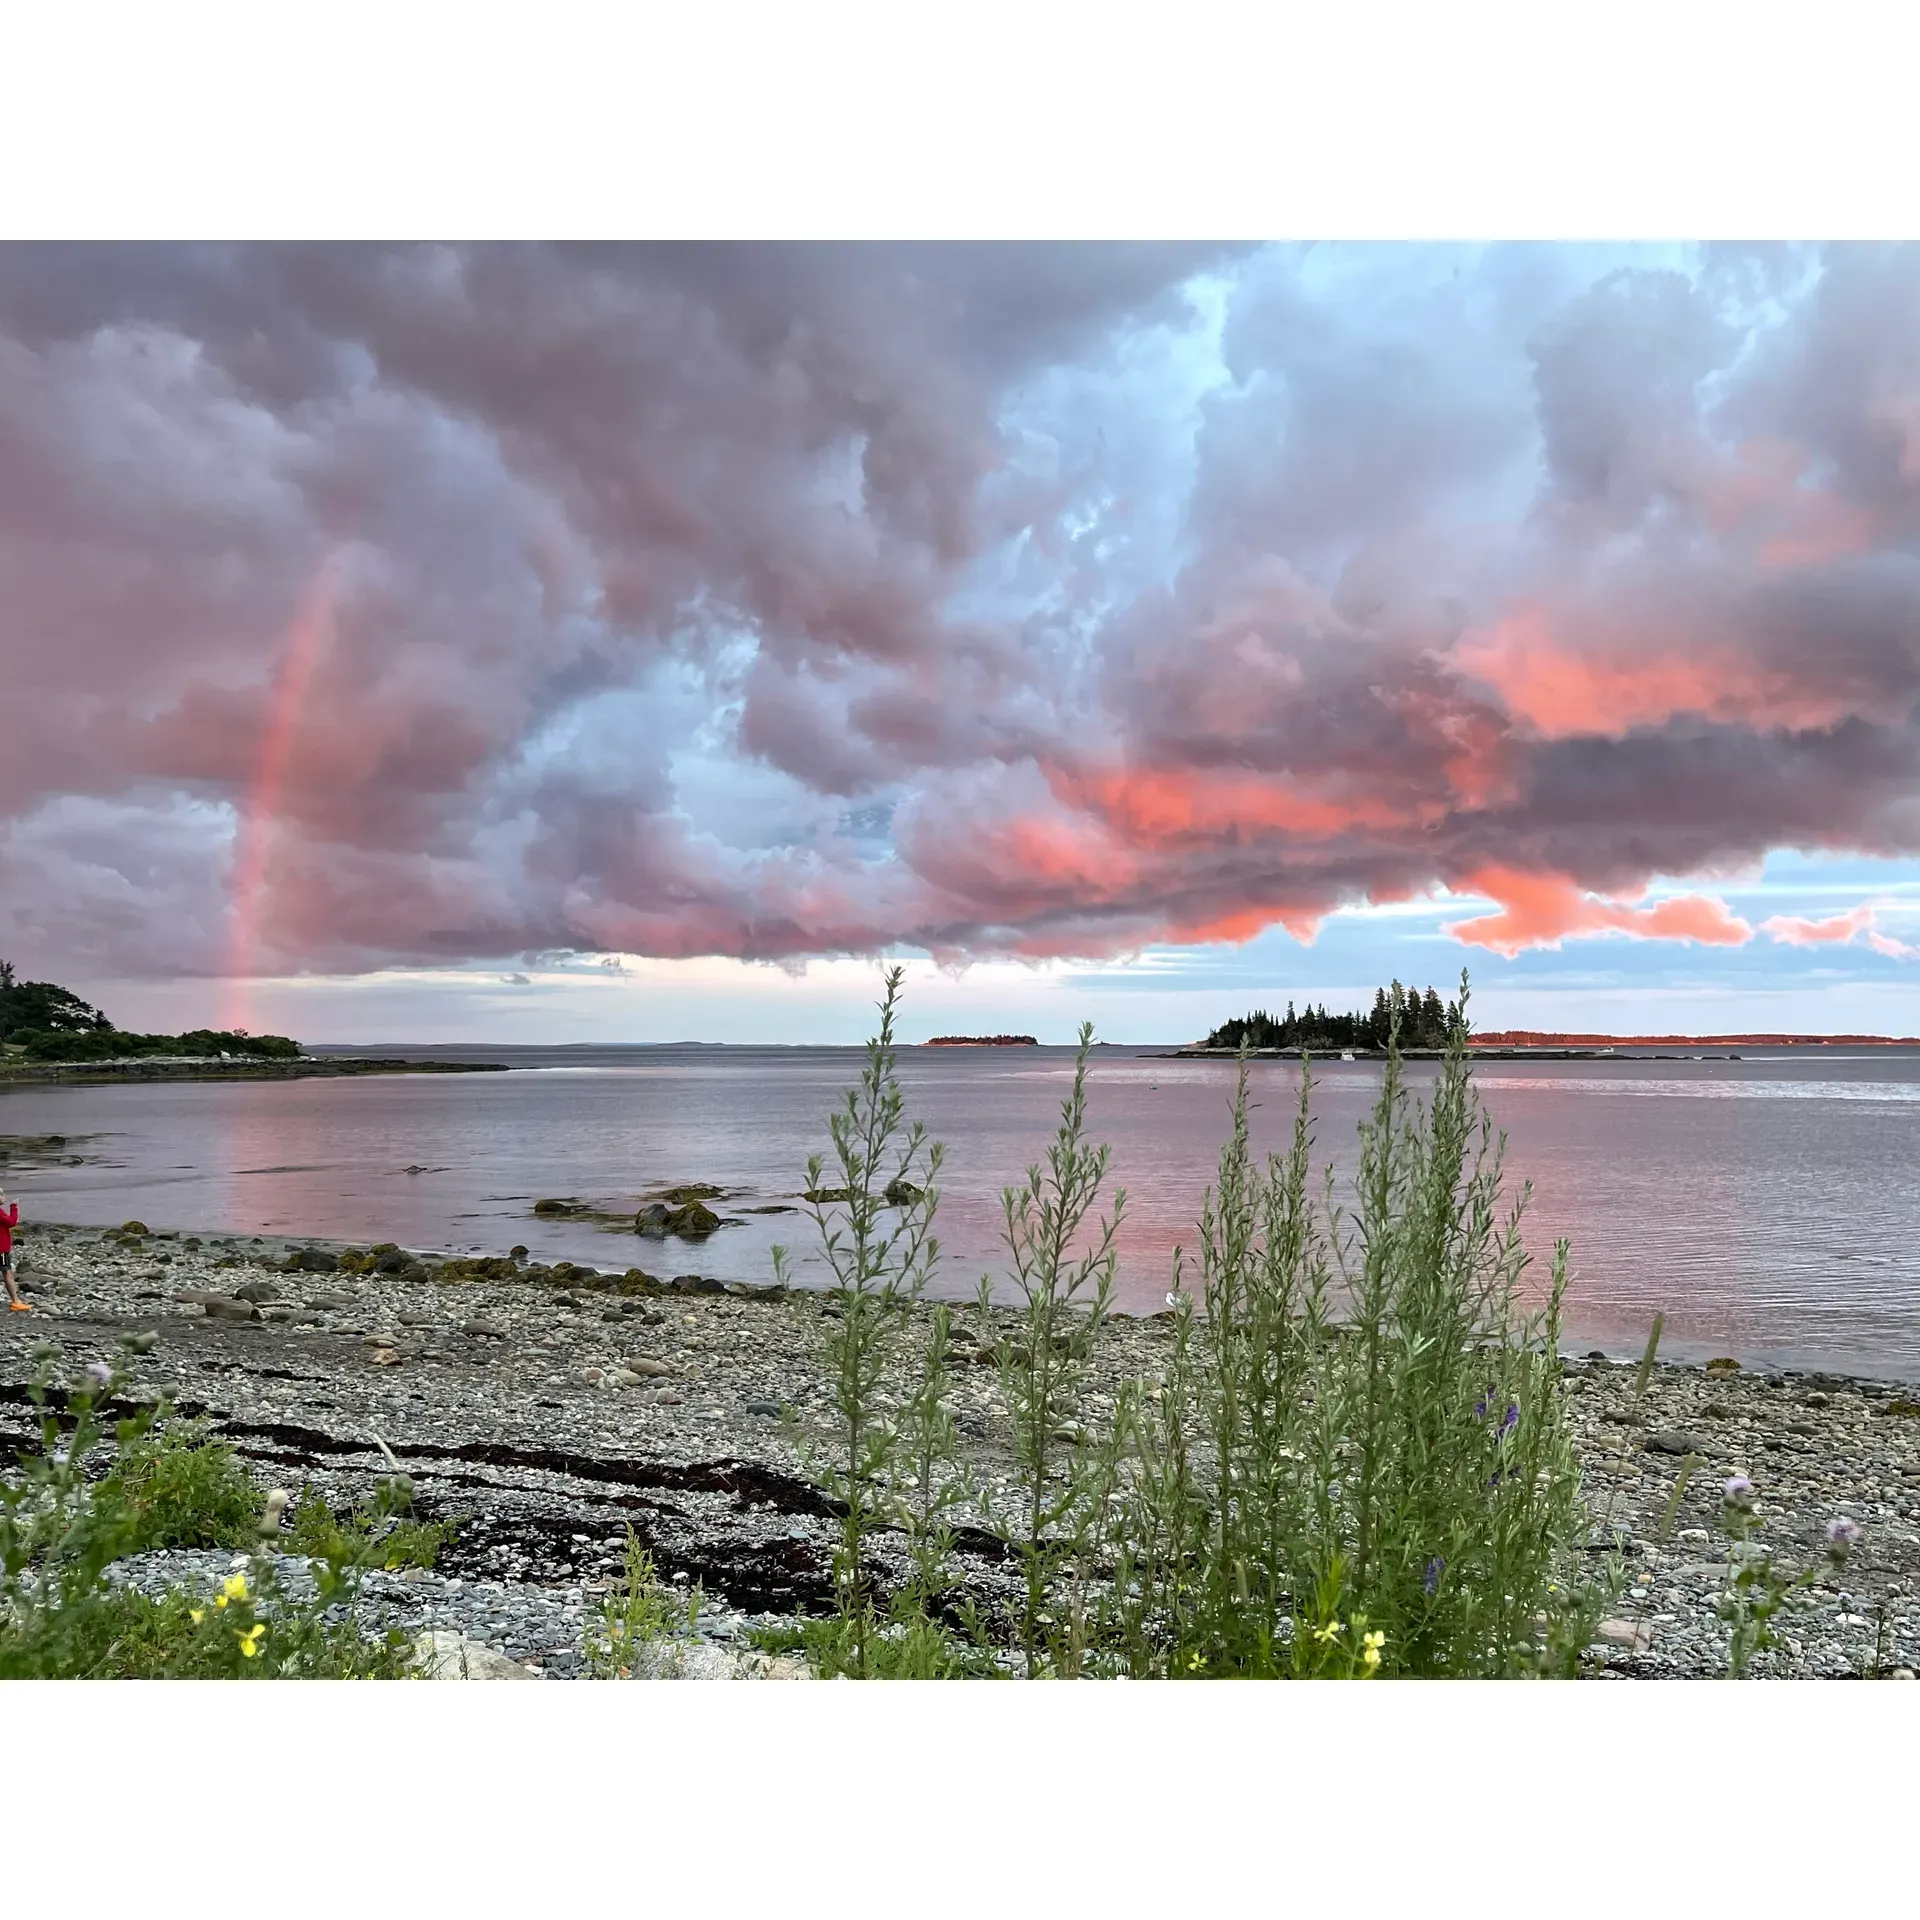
pixel 1838 929
pixel 1542 910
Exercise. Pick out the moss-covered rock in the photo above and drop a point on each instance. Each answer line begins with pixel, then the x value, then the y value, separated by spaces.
pixel 696 1190
pixel 134 1229
pixel 694 1221
pixel 558 1209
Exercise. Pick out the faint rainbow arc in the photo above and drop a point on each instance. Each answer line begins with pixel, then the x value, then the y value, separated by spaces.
pixel 301 646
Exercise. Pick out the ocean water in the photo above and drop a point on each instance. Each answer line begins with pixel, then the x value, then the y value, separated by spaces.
pixel 1768 1206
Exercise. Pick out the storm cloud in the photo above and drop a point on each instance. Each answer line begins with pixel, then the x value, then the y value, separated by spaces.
pixel 364 606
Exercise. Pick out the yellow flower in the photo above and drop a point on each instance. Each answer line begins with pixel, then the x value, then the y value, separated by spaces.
pixel 1325 1635
pixel 1373 1643
pixel 250 1640
pixel 196 1614
pixel 236 1587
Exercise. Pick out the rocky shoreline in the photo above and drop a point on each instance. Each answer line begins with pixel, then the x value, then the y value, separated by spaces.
pixel 554 1412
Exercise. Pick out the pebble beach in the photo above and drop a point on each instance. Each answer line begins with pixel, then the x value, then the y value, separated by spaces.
pixel 549 1414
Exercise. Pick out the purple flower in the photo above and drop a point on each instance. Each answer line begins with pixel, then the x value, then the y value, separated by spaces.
pixel 1481 1405
pixel 1738 1490
pixel 1509 1420
pixel 1843 1535
pixel 100 1373
pixel 1435 1567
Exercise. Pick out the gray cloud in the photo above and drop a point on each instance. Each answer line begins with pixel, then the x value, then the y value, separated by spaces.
pixel 779 600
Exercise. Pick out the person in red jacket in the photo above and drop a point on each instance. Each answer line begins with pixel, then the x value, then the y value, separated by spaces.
pixel 9 1219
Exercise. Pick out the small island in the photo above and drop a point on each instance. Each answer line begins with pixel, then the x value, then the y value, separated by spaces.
pixel 984 1040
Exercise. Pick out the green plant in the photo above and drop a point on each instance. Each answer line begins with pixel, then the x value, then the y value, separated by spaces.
pixel 906 1646
pixel 1404 1459
pixel 63 1616
pixel 636 1612
pixel 881 1255
pixel 1064 1290
pixel 387 1540
pixel 181 1489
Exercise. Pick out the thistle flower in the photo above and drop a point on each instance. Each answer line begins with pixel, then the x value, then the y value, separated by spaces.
pixel 99 1373
pixel 1843 1535
pixel 1738 1491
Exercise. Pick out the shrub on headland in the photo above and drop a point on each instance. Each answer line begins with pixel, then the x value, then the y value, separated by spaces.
pixel 49 1024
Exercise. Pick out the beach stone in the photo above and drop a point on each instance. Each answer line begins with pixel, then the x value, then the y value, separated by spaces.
pixel 219 1309
pixel 764 1409
pixel 623 1377
pixel 1666 1440
pixel 652 1219
pixel 483 1330
pixel 312 1260
pixel 646 1368
pixel 258 1291
pixel 1633 1636
pixel 702 1660
pixel 442 1655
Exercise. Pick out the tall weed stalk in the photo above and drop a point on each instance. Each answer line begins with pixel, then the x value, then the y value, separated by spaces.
pixel 875 1224
pixel 1064 1289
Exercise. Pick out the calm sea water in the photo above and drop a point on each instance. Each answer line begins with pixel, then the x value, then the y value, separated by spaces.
pixel 1766 1205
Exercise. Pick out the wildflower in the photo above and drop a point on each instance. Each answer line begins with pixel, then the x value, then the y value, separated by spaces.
pixel 1372 1644
pixel 1739 1491
pixel 1509 1420
pixel 250 1640
pixel 196 1614
pixel 61 1456
pixel 1481 1405
pixel 100 1373
pixel 235 1589
pixel 1843 1535
pixel 1435 1568
pixel 1326 1635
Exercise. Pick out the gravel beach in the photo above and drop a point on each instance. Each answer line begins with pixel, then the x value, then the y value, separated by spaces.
pixel 551 1416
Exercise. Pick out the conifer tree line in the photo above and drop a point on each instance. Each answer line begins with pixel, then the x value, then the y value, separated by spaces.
pixel 1425 1021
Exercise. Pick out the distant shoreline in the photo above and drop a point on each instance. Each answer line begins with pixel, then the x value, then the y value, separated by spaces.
pixel 165 1067
pixel 1519 1037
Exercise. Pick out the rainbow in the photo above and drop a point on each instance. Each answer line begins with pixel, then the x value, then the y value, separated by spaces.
pixel 301 646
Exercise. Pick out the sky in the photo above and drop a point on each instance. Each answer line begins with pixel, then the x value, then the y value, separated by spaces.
pixel 551 643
